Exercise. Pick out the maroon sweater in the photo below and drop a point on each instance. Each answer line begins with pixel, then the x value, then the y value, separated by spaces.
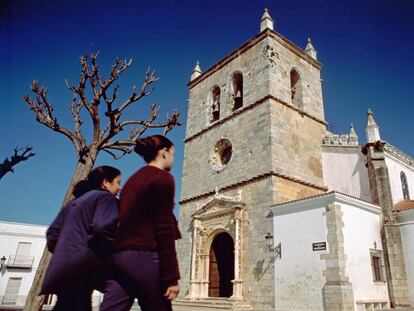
pixel 146 219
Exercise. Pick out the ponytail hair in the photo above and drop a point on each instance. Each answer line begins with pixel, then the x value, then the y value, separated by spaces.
pixel 148 147
pixel 95 179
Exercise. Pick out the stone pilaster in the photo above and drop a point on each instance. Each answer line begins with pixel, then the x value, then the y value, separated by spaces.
pixel 337 291
pixel 390 230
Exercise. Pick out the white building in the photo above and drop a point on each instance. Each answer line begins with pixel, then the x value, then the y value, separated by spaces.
pixel 348 168
pixel 324 243
pixel 405 218
pixel 21 248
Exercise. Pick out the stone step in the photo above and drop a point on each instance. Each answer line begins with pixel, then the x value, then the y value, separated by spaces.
pixel 210 304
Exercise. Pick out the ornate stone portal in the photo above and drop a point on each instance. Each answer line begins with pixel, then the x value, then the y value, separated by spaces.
pixel 221 214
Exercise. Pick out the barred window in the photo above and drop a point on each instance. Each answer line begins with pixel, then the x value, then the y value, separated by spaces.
pixel 377 266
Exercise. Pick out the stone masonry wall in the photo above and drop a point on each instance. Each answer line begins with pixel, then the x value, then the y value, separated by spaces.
pixel 253 66
pixel 250 135
pixel 283 62
pixel 257 263
pixel 296 144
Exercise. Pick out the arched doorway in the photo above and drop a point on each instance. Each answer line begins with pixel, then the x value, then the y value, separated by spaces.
pixel 221 271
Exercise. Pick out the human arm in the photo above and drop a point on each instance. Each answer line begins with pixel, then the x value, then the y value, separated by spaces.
pixel 172 292
pixel 162 198
pixel 53 232
pixel 104 224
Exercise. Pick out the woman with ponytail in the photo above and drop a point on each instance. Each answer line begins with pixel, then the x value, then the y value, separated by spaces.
pixel 80 239
pixel 144 261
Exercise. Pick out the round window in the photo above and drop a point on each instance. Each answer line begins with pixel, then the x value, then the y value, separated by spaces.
pixel 221 155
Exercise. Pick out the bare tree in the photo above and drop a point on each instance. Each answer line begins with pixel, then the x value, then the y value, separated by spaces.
pixel 16 158
pixel 104 137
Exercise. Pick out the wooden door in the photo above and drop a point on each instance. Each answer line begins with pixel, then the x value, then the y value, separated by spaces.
pixel 221 271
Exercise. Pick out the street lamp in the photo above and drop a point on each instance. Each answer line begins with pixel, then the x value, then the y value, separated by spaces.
pixel 276 249
pixel 2 262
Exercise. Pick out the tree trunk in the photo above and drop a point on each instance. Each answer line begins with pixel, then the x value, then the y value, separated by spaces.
pixel 34 301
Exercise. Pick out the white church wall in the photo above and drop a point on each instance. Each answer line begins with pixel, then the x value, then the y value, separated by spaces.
pixel 344 171
pixel 299 274
pixel 395 167
pixel 406 220
pixel 361 235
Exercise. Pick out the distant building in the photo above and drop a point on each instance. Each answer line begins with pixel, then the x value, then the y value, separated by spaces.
pixel 21 248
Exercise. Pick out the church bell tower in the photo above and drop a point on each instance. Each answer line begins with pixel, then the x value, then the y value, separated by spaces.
pixel 254 129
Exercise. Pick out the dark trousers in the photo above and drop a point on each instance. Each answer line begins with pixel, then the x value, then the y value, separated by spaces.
pixel 74 301
pixel 136 275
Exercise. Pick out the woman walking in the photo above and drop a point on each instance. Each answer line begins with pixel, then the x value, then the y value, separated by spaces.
pixel 80 239
pixel 144 261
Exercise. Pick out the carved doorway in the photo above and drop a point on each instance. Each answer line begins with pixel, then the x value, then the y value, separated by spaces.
pixel 221 271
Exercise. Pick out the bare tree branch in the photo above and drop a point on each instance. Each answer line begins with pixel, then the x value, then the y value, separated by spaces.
pixel 149 79
pixel 172 122
pixel 16 158
pixel 44 112
pixel 75 108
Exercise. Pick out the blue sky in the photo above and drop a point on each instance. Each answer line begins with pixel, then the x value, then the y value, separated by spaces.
pixel 366 48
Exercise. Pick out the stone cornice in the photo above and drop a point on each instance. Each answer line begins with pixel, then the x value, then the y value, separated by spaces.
pixel 24 235
pixel 253 179
pixel 397 153
pixel 249 107
pixel 323 200
pixel 249 44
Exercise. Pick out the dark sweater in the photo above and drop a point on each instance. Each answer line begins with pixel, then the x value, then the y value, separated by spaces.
pixel 87 223
pixel 146 219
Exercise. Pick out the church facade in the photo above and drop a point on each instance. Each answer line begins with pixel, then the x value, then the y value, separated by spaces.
pixel 257 160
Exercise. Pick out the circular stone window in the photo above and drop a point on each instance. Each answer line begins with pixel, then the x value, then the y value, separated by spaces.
pixel 221 155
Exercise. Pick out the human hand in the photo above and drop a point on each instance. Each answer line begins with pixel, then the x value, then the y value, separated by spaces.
pixel 172 292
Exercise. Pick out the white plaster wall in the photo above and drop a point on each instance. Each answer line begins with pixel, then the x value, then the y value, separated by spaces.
pixel 361 229
pixel 344 171
pixel 299 274
pixel 394 170
pixel 406 220
pixel 10 236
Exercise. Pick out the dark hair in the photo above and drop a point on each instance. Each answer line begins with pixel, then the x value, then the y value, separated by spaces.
pixel 95 179
pixel 148 147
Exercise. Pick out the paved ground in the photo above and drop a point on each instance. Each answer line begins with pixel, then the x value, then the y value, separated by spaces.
pixel 14 308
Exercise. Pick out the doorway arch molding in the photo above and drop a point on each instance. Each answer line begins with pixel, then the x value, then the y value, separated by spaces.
pixel 220 214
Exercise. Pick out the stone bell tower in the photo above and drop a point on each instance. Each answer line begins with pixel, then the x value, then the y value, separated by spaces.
pixel 254 129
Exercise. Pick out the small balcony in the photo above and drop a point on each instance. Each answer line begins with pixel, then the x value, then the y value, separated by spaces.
pixel 20 262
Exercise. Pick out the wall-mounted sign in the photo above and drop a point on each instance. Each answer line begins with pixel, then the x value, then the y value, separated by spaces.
pixel 319 246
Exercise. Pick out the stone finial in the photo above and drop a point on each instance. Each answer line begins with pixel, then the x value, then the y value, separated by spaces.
pixel 352 136
pixel 266 21
pixel 196 71
pixel 310 50
pixel 372 130
pixel 352 132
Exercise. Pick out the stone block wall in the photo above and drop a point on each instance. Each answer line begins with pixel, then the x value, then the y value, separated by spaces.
pixel 257 261
pixel 296 144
